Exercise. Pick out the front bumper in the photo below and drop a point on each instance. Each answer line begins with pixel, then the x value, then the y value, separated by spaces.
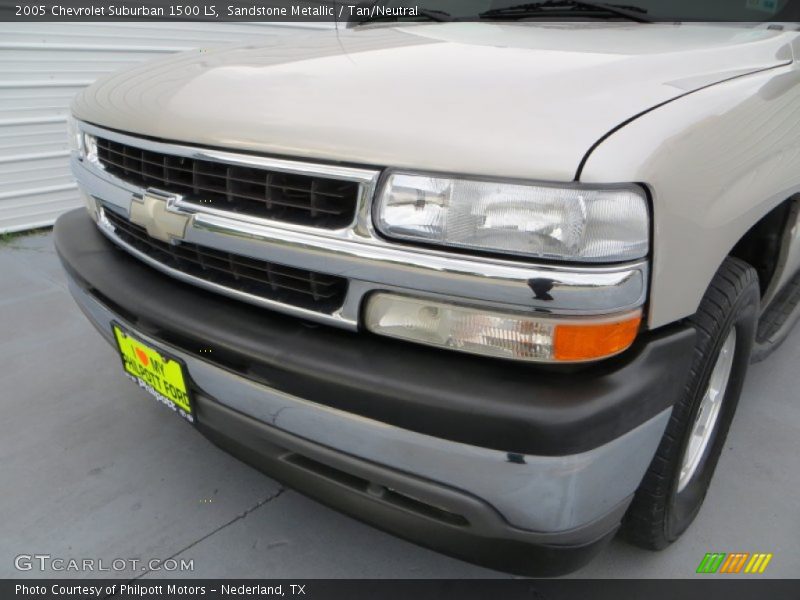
pixel 496 462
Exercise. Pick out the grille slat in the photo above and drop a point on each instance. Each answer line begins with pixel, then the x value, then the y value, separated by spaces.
pixel 301 199
pixel 196 189
pixel 289 285
pixel 162 161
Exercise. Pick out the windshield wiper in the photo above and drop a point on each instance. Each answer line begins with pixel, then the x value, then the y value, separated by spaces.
pixel 551 7
pixel 428 13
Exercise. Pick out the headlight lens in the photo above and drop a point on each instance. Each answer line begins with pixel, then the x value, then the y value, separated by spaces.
pixel 74 136
pixel 90 147
pixel 575 223
pixel 502 335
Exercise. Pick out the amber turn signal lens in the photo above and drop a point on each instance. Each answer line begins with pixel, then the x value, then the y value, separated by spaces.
pixel 577 342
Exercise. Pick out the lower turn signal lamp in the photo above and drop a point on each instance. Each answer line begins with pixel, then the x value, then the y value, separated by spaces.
pixel 501 335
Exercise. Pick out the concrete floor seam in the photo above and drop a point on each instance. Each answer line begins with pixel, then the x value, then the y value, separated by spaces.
pixel 244 514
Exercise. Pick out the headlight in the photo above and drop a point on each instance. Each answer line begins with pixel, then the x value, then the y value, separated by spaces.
pixel 502 335
pixel 89 147
pixel 570 222
pixel 74 136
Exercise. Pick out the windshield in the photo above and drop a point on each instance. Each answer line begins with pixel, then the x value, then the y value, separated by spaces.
pixel 657 10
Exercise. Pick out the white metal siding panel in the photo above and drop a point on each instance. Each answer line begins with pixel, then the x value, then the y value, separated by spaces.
pixel 43 65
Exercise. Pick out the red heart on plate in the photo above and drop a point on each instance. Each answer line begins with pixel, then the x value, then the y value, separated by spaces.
pixel 142 356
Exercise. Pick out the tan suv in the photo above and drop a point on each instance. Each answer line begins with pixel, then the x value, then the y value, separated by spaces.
pixel 492 286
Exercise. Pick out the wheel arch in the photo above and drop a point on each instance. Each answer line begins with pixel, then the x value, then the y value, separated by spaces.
pixel 767 247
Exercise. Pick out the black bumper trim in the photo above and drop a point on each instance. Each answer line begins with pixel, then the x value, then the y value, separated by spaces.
pixel 516 408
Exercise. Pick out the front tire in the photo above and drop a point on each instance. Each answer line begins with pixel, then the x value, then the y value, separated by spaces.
pixel 675 485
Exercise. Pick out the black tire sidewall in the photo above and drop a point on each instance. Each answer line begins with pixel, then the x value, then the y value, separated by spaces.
pixel 683 507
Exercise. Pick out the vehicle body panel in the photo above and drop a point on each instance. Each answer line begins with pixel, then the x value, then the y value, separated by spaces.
pixel 407 96
pixel 716 162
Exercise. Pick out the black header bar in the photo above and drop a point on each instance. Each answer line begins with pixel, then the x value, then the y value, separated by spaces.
pixel 299 11
pixel 703 588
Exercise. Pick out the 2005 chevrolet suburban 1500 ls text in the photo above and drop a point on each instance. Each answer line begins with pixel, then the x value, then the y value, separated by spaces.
pixel 490 286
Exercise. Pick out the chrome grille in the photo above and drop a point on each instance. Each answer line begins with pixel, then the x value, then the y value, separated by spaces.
pixel 300 199
pixel 288 285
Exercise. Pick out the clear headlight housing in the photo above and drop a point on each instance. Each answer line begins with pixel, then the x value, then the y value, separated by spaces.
pixel 89 147
pixel 85 146
pixel 555 222
pixel 81 143
pixel 74 136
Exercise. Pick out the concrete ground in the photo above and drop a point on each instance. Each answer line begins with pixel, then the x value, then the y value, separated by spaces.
pixel 91 467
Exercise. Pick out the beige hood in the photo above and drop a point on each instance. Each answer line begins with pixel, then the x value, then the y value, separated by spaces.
pixel 521 100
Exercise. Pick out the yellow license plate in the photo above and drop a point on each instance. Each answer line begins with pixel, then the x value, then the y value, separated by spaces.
pixel 162 376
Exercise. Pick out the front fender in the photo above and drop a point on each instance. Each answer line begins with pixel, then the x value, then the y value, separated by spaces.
pixel 716 161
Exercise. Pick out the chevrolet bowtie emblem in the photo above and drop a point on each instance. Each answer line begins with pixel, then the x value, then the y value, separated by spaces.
pixel 156 214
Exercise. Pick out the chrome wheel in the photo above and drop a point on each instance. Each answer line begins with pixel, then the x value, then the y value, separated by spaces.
pixel 707 415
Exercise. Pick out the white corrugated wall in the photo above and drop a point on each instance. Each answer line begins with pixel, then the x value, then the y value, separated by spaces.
pixel 43 65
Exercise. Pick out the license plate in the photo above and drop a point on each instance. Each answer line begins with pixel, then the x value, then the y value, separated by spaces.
pixel 162 376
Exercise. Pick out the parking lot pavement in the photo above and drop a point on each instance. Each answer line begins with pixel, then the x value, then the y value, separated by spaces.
pixel 92 468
